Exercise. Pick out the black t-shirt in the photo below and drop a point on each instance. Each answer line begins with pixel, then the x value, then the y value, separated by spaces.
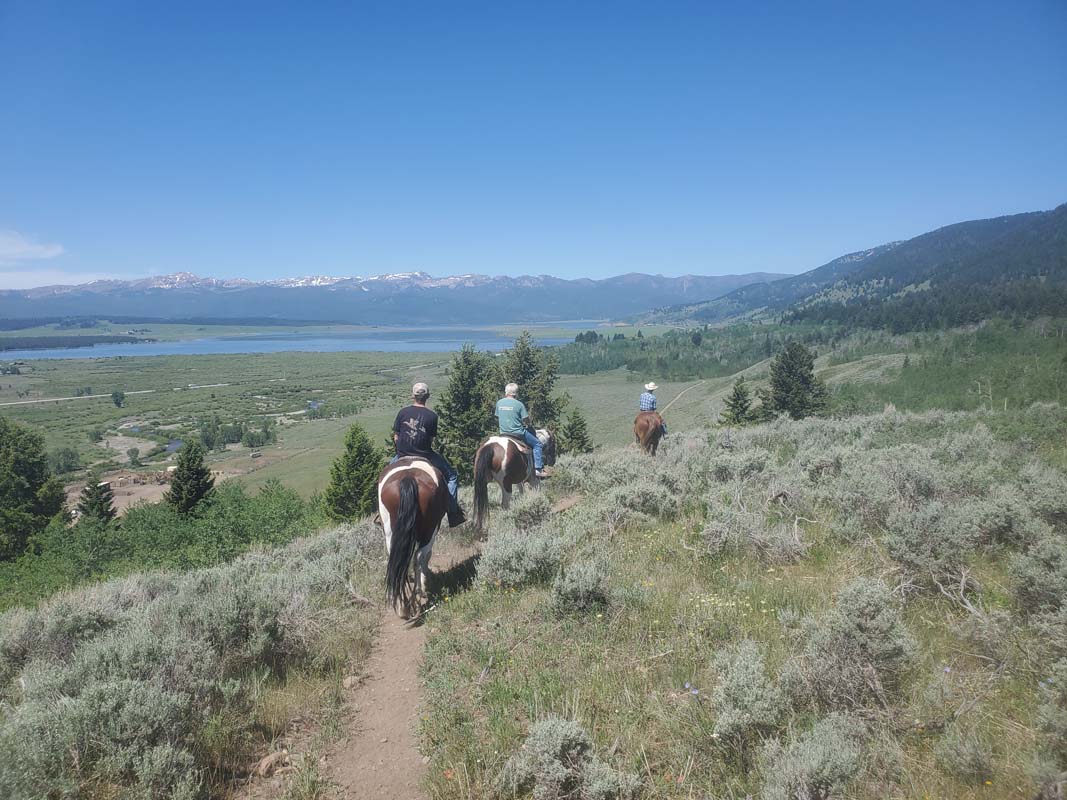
pixel 415 427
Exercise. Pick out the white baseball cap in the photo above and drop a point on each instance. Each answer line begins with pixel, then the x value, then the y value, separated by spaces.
pixel 420 389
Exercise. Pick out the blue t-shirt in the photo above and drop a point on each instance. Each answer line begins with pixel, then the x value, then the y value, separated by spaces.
pixel 511 412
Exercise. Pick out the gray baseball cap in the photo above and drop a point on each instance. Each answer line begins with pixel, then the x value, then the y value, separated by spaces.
pixel 420 390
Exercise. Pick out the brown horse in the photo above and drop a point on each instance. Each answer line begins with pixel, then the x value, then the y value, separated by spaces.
pixel 648 430
pixel 508 462
pixel 412 499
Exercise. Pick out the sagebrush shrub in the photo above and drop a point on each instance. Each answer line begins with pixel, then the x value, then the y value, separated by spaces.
pixel 1039 576
pixel 855 653
pixel 516 558
pixel 557 762
pixel 581 588
pixel 648 498
pixel 964 755
pixel 529 510
pixel 815 765
pixel 929 544
pixel 734 527
pixel 1052 716
pixel 747 703
pixel 1045 492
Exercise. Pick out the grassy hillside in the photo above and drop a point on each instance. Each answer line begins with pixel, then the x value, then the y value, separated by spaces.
pixel 870 607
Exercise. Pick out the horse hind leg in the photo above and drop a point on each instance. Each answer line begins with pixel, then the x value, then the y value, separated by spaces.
pixel 422 569
pixel 505 495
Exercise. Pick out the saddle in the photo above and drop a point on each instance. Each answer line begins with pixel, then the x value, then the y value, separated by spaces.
pixel 519 442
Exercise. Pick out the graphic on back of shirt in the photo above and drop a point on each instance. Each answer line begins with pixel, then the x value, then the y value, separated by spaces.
pixel 415 428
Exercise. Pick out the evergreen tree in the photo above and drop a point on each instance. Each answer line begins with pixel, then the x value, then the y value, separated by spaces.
pixel 192 481
pixel 574 436
pixel 134 454
pixel 30 496
pixel 535 370
pixel 118 398
pixel 353 488
pixel 738 409
pixel 465 408
pixel 97 501
pixel 794 388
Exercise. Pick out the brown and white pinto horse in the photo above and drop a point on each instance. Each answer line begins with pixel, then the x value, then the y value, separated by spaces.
pixel 509 462
pixel 412 499
pixel 648 430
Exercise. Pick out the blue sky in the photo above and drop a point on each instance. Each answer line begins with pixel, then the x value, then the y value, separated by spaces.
pixel 577 139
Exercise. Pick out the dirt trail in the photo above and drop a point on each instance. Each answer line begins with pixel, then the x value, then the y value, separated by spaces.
pixel 381 758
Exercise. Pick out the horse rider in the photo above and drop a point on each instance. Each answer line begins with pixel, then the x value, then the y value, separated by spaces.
pixel 413 433
pixel 648 401
pixel 514 421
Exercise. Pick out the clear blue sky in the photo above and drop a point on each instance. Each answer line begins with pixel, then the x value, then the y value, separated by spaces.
pixel 578 139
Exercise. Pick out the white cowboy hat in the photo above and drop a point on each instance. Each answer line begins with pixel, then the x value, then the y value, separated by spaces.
pixel 650 387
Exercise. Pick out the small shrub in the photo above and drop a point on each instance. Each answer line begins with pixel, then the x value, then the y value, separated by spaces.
pixel 737 463
pixel 964 755
pixel 1039 577
pixel 855 653
pixel 734 527
pixel 651 499
pixel 529 510
pixel 580 588
pixel 557 762
pixel 1045 492
pixel 817 764
pixel 747 703
pixel 1052 717
pixel 928 544
pixel 515 558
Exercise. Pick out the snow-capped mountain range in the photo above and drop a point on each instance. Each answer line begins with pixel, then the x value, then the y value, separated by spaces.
pixel 394 298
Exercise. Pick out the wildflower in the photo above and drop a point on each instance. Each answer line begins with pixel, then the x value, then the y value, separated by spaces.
pixel 947 670
pixel 449 774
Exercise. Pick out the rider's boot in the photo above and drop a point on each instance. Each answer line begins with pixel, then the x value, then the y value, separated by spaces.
pixel 456 518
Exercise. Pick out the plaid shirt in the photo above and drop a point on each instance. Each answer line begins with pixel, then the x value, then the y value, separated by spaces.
pixel 648 402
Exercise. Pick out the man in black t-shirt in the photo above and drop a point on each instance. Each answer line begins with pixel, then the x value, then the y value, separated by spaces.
pixel 413 432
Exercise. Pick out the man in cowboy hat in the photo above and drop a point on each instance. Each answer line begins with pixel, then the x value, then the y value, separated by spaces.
pixel 648 401
pixel 413 432
pixel 514 420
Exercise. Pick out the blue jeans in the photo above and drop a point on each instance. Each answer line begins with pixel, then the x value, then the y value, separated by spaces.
pixel 451 476
pixel 536 446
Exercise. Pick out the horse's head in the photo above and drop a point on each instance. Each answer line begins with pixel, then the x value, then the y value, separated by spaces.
pixel 548 446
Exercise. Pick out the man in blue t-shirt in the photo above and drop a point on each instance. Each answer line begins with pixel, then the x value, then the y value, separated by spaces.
pixel 514 421
pixel 413 432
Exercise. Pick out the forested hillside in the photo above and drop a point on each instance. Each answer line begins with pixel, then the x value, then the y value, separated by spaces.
pixel 959 274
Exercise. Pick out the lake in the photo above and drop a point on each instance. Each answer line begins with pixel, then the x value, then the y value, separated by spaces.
pixel 414 340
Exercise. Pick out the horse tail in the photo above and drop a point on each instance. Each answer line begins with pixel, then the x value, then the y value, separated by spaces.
pixel 403 542
pixel 483 472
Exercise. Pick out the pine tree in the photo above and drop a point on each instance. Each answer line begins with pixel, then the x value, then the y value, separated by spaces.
pixel 794 388
pixel 535 370
pixel 465 408
pixel 738 409
pixel 353 488
pixel 30 496
pixel 97 501
pixel 192 481
pixel 574 436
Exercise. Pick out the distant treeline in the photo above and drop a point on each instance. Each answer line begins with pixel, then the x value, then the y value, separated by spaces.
pixel 18 324
pixel 708 353
pixel 45 342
